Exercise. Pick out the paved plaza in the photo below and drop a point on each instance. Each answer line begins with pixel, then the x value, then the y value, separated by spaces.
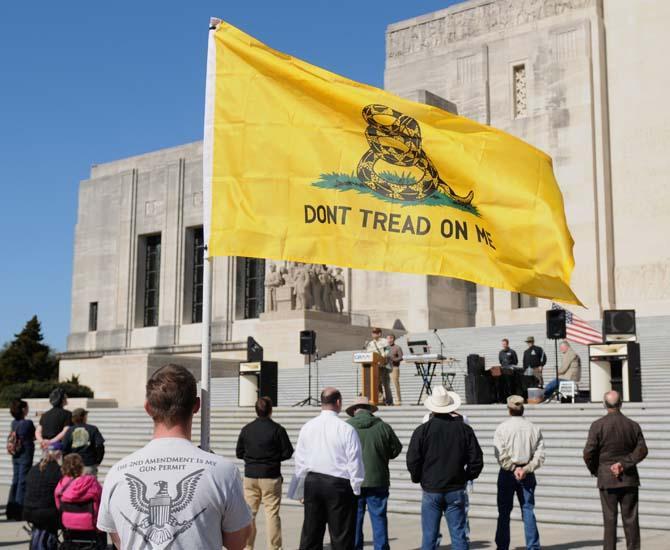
pixel 404 532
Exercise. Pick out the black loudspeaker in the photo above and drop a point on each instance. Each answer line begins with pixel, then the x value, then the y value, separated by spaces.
pixel 476 365
pixel 307 342
pixel 267 385
pixel 634 372
pixel 618 325
pixel 477 383
pixel 478 390
pixel 555 324
pixel 254 351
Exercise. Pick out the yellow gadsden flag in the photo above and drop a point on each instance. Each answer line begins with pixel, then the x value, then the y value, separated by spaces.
pixel 302 164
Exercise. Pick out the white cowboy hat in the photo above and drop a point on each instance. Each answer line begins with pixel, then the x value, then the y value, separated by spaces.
pixel 360 403
pixel 442 401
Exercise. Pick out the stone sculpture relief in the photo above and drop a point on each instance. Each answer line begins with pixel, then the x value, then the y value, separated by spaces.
pixel 312 286
pixel 474 21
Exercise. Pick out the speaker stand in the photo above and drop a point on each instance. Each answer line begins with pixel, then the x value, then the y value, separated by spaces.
pixel 309 400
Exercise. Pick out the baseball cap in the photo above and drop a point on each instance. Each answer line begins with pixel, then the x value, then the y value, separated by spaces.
pixel 515 402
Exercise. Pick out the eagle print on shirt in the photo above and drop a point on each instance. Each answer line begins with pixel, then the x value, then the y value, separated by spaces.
pixel 160 524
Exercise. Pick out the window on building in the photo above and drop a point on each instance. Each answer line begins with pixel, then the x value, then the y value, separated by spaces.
pixel 93 316
pixel 250 291
pixel 519 96
pixel 198 254
pixel 521 301
pixel 152 272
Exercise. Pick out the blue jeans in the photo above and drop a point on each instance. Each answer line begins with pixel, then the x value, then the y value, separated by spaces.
pixel 552 386
pixel 452 506
pixel 376 500
pixel 21 466
pixel 508 486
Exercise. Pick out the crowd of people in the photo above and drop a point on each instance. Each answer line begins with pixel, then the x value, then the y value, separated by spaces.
pixel 61 491
pixel 173 494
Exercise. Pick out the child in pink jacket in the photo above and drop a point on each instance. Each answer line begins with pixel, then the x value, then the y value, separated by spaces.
pixel 76 489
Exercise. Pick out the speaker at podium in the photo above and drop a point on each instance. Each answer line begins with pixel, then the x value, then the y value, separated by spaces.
pixel 369 361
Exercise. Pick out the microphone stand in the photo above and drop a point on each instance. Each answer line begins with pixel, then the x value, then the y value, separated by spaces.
pixel 442 346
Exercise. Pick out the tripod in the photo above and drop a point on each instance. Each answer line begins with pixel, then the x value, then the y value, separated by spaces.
pixel 309 400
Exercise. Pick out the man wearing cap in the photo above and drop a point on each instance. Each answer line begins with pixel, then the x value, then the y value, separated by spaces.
pixel 534 358
pixel 443 455
pixel 380 345
pixel 85 440
pixel 380 444
pixel 519 448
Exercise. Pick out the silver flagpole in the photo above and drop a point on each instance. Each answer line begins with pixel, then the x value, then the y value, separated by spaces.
pixel 206 354
pixel 206 350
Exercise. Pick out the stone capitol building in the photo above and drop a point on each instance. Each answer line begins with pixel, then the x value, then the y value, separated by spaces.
pixel 582 80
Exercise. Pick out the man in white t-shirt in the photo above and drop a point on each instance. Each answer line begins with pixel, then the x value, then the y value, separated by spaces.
pixel 171 494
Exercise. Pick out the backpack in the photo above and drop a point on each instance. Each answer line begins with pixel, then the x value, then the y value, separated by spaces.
pixel 14 443
pixel 43 540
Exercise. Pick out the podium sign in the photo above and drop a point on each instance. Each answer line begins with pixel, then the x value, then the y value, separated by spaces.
pixel 370 362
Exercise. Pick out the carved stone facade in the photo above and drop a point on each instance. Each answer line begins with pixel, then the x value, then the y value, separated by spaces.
pixel 294 286
pixel 471 19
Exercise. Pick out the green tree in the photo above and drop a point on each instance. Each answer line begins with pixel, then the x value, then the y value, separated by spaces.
pixel 27 357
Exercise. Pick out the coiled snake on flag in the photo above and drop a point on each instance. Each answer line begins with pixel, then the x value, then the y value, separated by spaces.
pixel 398 143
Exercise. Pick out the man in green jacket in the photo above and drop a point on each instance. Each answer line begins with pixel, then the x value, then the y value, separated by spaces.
pixel 380 444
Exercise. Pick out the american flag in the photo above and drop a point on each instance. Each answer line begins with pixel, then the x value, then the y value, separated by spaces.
pixel 577 330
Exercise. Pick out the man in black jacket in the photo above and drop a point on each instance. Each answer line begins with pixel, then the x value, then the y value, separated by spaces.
pixel 533 358
pixel 443 455
pixel 263 445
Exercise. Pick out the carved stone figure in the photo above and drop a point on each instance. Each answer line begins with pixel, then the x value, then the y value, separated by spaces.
pixel 303 296
pixel 273 280
pixel 338 280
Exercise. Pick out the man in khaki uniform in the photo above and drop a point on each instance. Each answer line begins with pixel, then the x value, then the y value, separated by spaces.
pixel 394 358
pixel 380 346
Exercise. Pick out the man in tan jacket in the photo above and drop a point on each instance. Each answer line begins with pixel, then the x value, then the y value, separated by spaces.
pixel 570 369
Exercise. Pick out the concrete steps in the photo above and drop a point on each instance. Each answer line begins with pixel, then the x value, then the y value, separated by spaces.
pixel 566 492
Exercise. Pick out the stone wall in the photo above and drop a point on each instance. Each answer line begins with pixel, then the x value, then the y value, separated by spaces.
pixel 639 80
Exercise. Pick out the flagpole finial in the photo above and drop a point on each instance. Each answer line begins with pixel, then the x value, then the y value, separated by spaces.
pixel 213 23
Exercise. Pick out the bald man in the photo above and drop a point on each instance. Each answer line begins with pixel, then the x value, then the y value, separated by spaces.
pixel 329 458
pixel 614 448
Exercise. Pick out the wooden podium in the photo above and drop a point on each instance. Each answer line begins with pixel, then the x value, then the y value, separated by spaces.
pixel 369 361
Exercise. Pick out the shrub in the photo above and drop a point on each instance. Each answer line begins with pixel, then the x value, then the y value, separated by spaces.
pixel 42 388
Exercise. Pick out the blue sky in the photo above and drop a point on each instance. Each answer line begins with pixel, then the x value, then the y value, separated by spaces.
pixel 85 82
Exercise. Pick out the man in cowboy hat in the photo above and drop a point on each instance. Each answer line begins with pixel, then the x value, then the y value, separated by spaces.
pixel 519 448
pixel 443 455
pixel 380 444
